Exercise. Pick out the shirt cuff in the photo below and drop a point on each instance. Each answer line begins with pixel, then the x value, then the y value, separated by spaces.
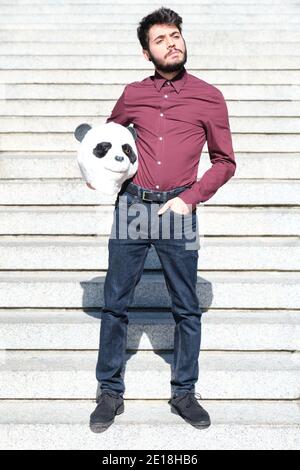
pixel 189 196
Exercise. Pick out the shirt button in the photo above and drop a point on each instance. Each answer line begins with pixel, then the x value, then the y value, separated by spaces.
pixel 161 114
pixel 157 186
pixel 168 83
pixel 160 138
pixel 166 96
pixel 159 163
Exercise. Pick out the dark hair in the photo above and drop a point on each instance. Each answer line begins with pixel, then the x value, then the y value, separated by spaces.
pixel 161 16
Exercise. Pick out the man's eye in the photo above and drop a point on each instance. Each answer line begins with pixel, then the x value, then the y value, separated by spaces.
pixel 176 37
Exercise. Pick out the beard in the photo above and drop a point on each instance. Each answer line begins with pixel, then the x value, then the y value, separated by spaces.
pixel 173 66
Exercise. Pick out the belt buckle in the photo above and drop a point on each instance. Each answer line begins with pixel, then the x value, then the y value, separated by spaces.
pixel 144 197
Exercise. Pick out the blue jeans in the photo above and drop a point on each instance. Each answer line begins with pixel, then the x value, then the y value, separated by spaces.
pixel 178 254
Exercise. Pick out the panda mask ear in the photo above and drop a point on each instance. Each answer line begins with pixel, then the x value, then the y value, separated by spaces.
pixel 81 130
pixel 132 131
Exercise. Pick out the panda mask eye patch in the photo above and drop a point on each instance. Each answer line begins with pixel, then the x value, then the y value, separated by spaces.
pixel 101 149
pixel 127 149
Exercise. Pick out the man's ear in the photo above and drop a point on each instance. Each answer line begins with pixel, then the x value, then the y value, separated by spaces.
pixel 81 130
pixel 132 131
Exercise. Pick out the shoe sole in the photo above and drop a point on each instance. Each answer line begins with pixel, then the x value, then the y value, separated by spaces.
pixel 199 424
pixel 100 426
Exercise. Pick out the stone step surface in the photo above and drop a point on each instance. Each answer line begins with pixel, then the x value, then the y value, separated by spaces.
pixel 91 253
pixel 29 165
pixel 68 62
pixel 95 91
pixel 147 374
pixel 97 220
pixel 240 22
pixel 141 2
pixel 55 142
pixel 254 330
pixel 122 9
pixel 93 34
pixel 220 289
pixel 75 192
pixel 10 124
pixel 127 75
pixel 149 424
pixel 107 48
pixel 84 108
pixel 108 18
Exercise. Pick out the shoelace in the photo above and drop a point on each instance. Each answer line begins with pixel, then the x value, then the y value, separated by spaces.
pixel 192 396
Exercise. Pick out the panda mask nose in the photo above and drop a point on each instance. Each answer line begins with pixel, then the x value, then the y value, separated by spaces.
pixel 119 158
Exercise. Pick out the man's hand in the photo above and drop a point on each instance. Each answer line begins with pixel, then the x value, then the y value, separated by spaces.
pixel 177 205
pixel 90 186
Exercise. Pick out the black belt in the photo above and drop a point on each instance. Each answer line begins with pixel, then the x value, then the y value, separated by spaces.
pixel 149 195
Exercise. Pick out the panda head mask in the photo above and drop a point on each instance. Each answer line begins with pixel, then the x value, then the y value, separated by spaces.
pixel 107 155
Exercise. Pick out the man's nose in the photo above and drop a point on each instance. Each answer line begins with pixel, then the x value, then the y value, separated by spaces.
pixel 170 43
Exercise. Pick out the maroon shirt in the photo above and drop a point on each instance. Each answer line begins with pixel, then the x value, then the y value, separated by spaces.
pixel 173 120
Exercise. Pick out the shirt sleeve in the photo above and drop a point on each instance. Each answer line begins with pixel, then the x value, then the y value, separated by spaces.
pixel 219 144
pixel 119 113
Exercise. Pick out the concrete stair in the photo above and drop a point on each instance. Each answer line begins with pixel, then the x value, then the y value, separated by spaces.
pixel 238 375
pixel 61 424
pixel 97 219
pixel 149 329
pixel 56 252
pixel 220 289
pixel 66 63
pixel 71 191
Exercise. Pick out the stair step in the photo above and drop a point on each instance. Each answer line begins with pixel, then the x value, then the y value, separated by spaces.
pixel 124 76
pixel 115 34
pixel 107 22
pixel 55 142
pixel 97 220
pixel 10 124
pixel 112 18
pixel 116 62
pixel 71 289
pixel 144 2
pixel 55 91
pixel 68 191
pixel 149 330
pixel 107 47
pixel 139 9
pixel 64 165
pixel 61 424
pixel 84 108
pixel 222 374
pixel 87 253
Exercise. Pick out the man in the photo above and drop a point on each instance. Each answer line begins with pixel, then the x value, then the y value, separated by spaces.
pixel 174 114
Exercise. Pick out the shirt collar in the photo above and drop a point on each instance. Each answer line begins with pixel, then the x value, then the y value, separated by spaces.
pixel 178 81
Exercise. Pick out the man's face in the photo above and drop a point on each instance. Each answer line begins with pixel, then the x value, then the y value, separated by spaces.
pixel 164 39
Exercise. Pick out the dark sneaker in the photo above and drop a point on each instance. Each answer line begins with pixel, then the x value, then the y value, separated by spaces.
pixel 187 406
pixel 109 405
